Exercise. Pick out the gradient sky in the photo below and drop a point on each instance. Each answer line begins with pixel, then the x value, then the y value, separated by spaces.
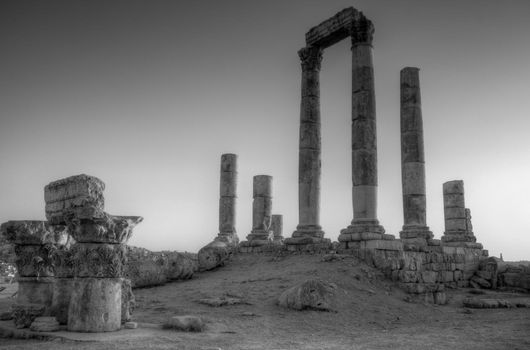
pixel 147 95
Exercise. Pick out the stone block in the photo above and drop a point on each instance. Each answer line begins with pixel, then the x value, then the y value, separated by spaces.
pixel 111 229
pixel 75 191
pixel 262 186
pixel 454 201
pixel 440 298
pixel 455 186
pixel 186 323
pixel 455 224
pixel 95 305
pixel 34 260
pixel 25 314
pixel 428 276
pixel 44 324
pixel 382 244
pixel 33 232
pixel 447 276
pixel 130 325
pixel 409 276
pixel 455 213
pixel 458 275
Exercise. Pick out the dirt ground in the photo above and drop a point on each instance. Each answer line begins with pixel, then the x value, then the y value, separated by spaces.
pixel 371 313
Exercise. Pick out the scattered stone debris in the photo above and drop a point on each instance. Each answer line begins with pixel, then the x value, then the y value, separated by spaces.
pixel 223 301
pixel 491 303
pixel 45 324
pixel 312 294
pixel 130 325
pixel 185 323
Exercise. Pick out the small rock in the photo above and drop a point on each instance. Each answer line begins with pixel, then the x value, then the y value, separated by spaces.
pixel 130 325
pixel 44 324
pixel 248 313
pixel 186 323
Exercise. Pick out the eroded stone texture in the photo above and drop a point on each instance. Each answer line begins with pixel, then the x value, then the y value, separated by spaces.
pixel 65 195
pixel 415 233
pixel 311 294
pixel 95 305
pixel 277 227
pixel 25 314
pixel 261 208
pixel 458 228
pixel 227 200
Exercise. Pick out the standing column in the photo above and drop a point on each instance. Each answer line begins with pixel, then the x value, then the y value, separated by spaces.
pixel 415 231
pixel 309 162
pixel 227 200
pixel 277 228
pixel 261 210
pixel 364 137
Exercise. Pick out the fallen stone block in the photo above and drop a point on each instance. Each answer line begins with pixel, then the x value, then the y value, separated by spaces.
pixel 223 301
pixel 481 282
pixel 130 325
pixel 312 294
pixel 214 254
pixel 185 323
pixel 44 324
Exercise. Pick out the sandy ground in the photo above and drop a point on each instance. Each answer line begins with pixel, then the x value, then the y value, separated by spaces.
pixel 371 313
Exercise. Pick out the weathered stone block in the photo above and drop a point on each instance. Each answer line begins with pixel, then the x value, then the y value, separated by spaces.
pixel 428 276
pixel 44 324
pixel 75 191
pixel 25 314
pixel 310 294
pixel 95 305
pixel 34 260
pixel 33 232
pixel 106 229
pixel 455 186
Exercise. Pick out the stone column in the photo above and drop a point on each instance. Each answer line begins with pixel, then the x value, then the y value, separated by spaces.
pixel 35 243
pixel 415 231
pixel 277 228
pixel 458 230
pixel 364 137
pixel 309 157
pixel 99 262
pixel 227 200
pixel 261 210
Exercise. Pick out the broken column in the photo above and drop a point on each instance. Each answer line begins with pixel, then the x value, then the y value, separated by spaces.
pixel 227 200
pixel 365 224
pixel 221 248
pixel 458 228
pixel 277 228
pixel 415 233
pixel 35 243
pixel 261 211
pixel 97 258
pixel 309 156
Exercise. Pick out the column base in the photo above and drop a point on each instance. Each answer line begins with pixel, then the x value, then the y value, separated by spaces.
pixel 260 235
pixel 314 231
pixel 416 237
pixel 229 238
pixel 363 230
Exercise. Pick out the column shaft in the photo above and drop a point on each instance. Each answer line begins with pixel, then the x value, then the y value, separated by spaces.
pixel 309 161
pixel 261 208
pixel 228 195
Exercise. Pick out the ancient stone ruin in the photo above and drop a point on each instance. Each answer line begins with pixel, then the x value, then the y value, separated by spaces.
pixel 72 266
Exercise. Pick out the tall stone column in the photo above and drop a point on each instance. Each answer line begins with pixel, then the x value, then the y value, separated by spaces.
pixel 261 211
pixel 227 200
pixel 277 228
pixel 309 157
pixel 364 136
pixel 415 231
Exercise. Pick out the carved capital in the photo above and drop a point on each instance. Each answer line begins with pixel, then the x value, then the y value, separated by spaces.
pixel 311 58
pixel 34 260
pixel 23 232
pixel 104 229
pixel 99 260
pixel 362 31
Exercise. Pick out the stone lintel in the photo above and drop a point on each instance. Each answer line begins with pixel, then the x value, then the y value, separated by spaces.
pixel 348 22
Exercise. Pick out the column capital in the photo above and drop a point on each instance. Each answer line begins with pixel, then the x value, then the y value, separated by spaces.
pixel 311 58
pixel 362 32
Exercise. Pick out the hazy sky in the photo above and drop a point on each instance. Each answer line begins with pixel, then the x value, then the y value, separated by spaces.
pixel 147 95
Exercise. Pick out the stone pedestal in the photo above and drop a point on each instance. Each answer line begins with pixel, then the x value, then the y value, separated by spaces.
pixel 277 228
pixel 309 156
pixel 99 257
pixel 415 234
pixel 227 200
pixel 364 136
pixel 261 211
pixel 458 228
